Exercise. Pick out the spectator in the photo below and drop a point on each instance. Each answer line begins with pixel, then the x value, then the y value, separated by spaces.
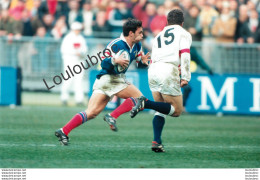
pixel 97 4
pixel 101 26
pixel 74 13
pixel 111 6
pixel 159 21
pixel 250 6
pixel 206 20
pixel 207 17
pixel 27 25
pixel 233 8
pixel 6 29
pixel 6 23
pixel 35 9
pixel 257 6
pixel 62 8
pixel 225 26
pixel 48 23
pixel 9 26
pixel 60 29
pixel 28 3
pixel 147 15
pixel 118 16
pixel 73 50
pixel 185 6
pixel 200 3
pixel 243 34
pixel 52 7
pixel 254 26
pixel 219 6
pixel 17 11
pixel 88 16
pixel 4 4
pixel 213 4
pixel 191 21
pixel 176 5
pixel 36 23
pixel 168 4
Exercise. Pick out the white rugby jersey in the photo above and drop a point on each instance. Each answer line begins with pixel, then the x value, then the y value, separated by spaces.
pixel 170 43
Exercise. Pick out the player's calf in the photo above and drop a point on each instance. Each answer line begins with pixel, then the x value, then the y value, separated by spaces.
pixel 144 103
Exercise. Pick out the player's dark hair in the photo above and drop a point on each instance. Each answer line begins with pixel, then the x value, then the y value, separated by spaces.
pixel 175 17
pixel 131 25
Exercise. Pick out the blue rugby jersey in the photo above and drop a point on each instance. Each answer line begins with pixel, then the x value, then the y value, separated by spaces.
pixel 115 46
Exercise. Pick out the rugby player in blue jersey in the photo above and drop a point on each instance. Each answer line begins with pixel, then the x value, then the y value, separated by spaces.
pixel 110 82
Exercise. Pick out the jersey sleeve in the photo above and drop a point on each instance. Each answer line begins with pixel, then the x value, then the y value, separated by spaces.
pixel 185 43
pixel 110 52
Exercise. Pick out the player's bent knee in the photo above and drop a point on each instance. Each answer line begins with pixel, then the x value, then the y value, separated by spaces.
pixel 177 112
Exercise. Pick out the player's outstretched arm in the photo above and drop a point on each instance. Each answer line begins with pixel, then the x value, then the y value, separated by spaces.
pixel 146 58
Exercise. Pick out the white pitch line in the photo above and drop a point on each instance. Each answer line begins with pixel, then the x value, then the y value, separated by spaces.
pixel 137 146
pixel 35 145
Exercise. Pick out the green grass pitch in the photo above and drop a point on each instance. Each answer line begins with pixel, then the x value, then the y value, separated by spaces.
pixel 192 141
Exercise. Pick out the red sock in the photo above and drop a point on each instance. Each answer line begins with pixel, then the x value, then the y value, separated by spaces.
pixel 77 120
pixel 126 106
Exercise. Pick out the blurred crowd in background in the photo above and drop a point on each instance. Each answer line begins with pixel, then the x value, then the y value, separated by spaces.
pixel 221 20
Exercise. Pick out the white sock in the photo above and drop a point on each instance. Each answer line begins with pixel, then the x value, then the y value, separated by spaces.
pixel 160 114
pixel 172 110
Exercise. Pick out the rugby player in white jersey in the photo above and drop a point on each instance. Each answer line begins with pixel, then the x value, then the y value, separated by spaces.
pixel 171 49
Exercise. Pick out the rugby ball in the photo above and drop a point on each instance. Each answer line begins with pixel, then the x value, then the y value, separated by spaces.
pixel 125 56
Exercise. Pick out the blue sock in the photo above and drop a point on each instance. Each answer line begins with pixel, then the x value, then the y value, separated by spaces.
pixel 158 123
pixel 161 107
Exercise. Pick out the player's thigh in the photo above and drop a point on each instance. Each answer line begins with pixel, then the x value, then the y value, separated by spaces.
pixel 175 101
pixel 96 104
pixel 129 91
pixel 157 96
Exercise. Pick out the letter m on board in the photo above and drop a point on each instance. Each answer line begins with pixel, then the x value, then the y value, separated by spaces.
pixel 207 89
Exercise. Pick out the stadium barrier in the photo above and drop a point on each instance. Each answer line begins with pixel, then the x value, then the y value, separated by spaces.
pixel 10 86
pixel 224 94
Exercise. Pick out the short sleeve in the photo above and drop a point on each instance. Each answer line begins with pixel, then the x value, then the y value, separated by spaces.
pixel 185 42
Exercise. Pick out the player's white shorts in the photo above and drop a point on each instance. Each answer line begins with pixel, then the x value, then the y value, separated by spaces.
pixel 164 78
pixel 110 84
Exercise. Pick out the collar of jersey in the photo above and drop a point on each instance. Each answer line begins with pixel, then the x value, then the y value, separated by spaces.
pixel 123 39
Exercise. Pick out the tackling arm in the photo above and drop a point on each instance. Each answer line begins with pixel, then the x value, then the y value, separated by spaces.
pixel 185 44
pixel 185 66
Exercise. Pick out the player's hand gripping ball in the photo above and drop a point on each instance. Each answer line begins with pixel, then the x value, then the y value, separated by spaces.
pixel 125 57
